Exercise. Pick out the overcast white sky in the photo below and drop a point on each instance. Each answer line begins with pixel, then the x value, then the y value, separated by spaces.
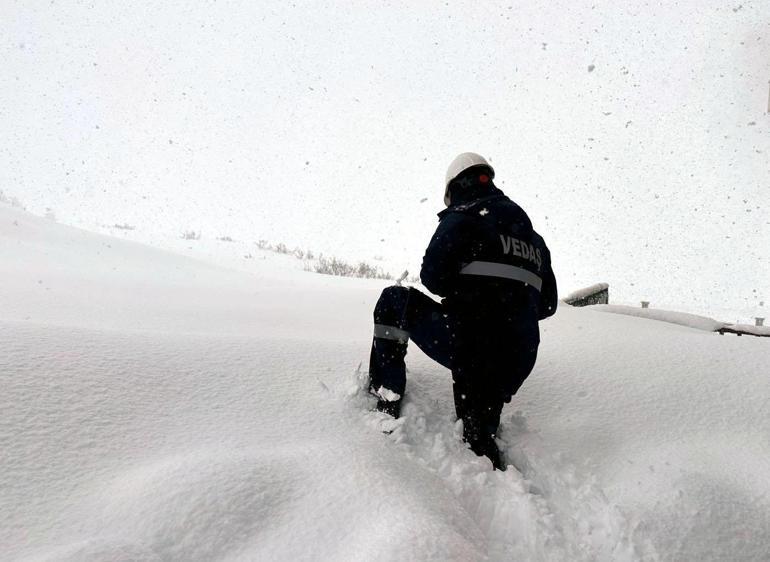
pixel 325 125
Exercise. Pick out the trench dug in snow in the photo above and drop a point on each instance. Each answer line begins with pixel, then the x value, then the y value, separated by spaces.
pixel 537 509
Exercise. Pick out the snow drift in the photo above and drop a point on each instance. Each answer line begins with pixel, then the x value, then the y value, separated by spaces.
pixel 156 407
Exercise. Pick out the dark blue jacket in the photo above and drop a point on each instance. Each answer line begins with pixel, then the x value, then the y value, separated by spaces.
pixel 493 307
pixel 489 228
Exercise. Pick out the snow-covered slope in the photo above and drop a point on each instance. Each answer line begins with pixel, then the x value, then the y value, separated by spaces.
pixel 155 407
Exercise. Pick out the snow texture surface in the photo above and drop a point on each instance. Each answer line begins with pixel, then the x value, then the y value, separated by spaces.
pixel 387 394
pixel 155 407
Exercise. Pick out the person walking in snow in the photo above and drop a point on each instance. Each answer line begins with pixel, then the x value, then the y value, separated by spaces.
pixel 493 272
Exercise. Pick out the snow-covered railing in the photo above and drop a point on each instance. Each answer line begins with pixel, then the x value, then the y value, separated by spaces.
pixel 690 320
pixel 595 294
pixel 681 318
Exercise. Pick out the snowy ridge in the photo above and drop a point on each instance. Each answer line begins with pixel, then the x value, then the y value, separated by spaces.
pixel 684 319
pixel 681 318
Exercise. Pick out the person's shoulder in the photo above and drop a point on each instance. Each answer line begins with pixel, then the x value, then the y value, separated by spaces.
pixel 511 212
pixel 451 219
pixel 507 202
pixel 539 242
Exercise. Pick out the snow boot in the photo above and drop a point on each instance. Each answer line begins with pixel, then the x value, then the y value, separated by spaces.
pixel 481 439
pixel 390 407
pixel 387 375
pixel 486 447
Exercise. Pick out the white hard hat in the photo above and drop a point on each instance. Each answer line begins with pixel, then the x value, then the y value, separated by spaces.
pixel 461 163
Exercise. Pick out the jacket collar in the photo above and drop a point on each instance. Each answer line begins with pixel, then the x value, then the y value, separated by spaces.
pixel 493 194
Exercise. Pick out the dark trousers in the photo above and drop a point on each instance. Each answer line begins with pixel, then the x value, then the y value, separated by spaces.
pixel 483 380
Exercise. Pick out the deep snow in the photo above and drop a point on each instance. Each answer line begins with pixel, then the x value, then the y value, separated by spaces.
pixel 156 407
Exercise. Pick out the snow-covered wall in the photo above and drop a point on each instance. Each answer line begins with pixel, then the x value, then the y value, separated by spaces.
pixel 598 293
pixel 636 135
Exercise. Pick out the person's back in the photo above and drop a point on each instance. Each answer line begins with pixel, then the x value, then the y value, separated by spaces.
pixel 486 258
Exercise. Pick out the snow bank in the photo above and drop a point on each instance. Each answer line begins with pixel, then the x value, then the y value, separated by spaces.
pixel 586 292
pixel 681 318
pixel 155 407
